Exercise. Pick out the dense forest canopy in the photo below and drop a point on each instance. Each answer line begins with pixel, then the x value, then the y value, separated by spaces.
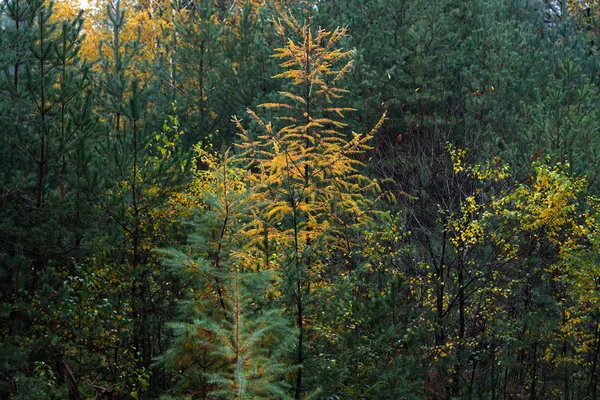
pixel 349 199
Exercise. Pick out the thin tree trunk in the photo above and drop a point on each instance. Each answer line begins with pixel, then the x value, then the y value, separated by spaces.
pixel 439 336
pixel 592 388
pixel 16 67
pixel 534 373
pixel 300 355
pixel 43 144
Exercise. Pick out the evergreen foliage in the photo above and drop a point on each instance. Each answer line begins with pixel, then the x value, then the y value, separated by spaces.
pixel 449 251
pixel 46 124
pixel 137 171
pixel 230 343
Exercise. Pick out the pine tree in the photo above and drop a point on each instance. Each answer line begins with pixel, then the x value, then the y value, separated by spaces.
pixel 220 65
pixel 46 216
pixel 139 165
pixel 197 39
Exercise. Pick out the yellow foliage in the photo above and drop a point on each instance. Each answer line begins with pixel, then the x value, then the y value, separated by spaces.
pixel 548 202
pixel 64 9
pixel 146 21
pixel 305 182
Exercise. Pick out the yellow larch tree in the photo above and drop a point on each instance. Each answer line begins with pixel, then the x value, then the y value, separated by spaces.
pixel 308 194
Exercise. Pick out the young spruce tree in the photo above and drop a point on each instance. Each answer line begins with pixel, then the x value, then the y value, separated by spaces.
pixel 229 342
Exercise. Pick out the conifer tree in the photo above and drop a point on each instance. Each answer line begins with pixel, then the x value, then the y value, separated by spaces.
pixel 309 195
pixel 220 65
pixel 46 216
pixel 139 166
pixel 197 36
pixel 230 343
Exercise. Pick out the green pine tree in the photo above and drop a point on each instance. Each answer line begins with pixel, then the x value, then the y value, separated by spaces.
pixel 139 165
pixel 46 215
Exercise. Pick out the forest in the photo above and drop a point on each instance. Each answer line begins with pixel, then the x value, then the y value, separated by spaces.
pixel 299 199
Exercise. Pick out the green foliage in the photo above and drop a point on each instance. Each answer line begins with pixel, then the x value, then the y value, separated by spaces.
pixel 220 65
pixel 46 117
pixel 138 167
pixel 230 342
pixel 286 274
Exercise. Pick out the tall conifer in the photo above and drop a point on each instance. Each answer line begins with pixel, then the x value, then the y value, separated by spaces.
pixel 45 216
pixel 309 195
pixel 139 166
